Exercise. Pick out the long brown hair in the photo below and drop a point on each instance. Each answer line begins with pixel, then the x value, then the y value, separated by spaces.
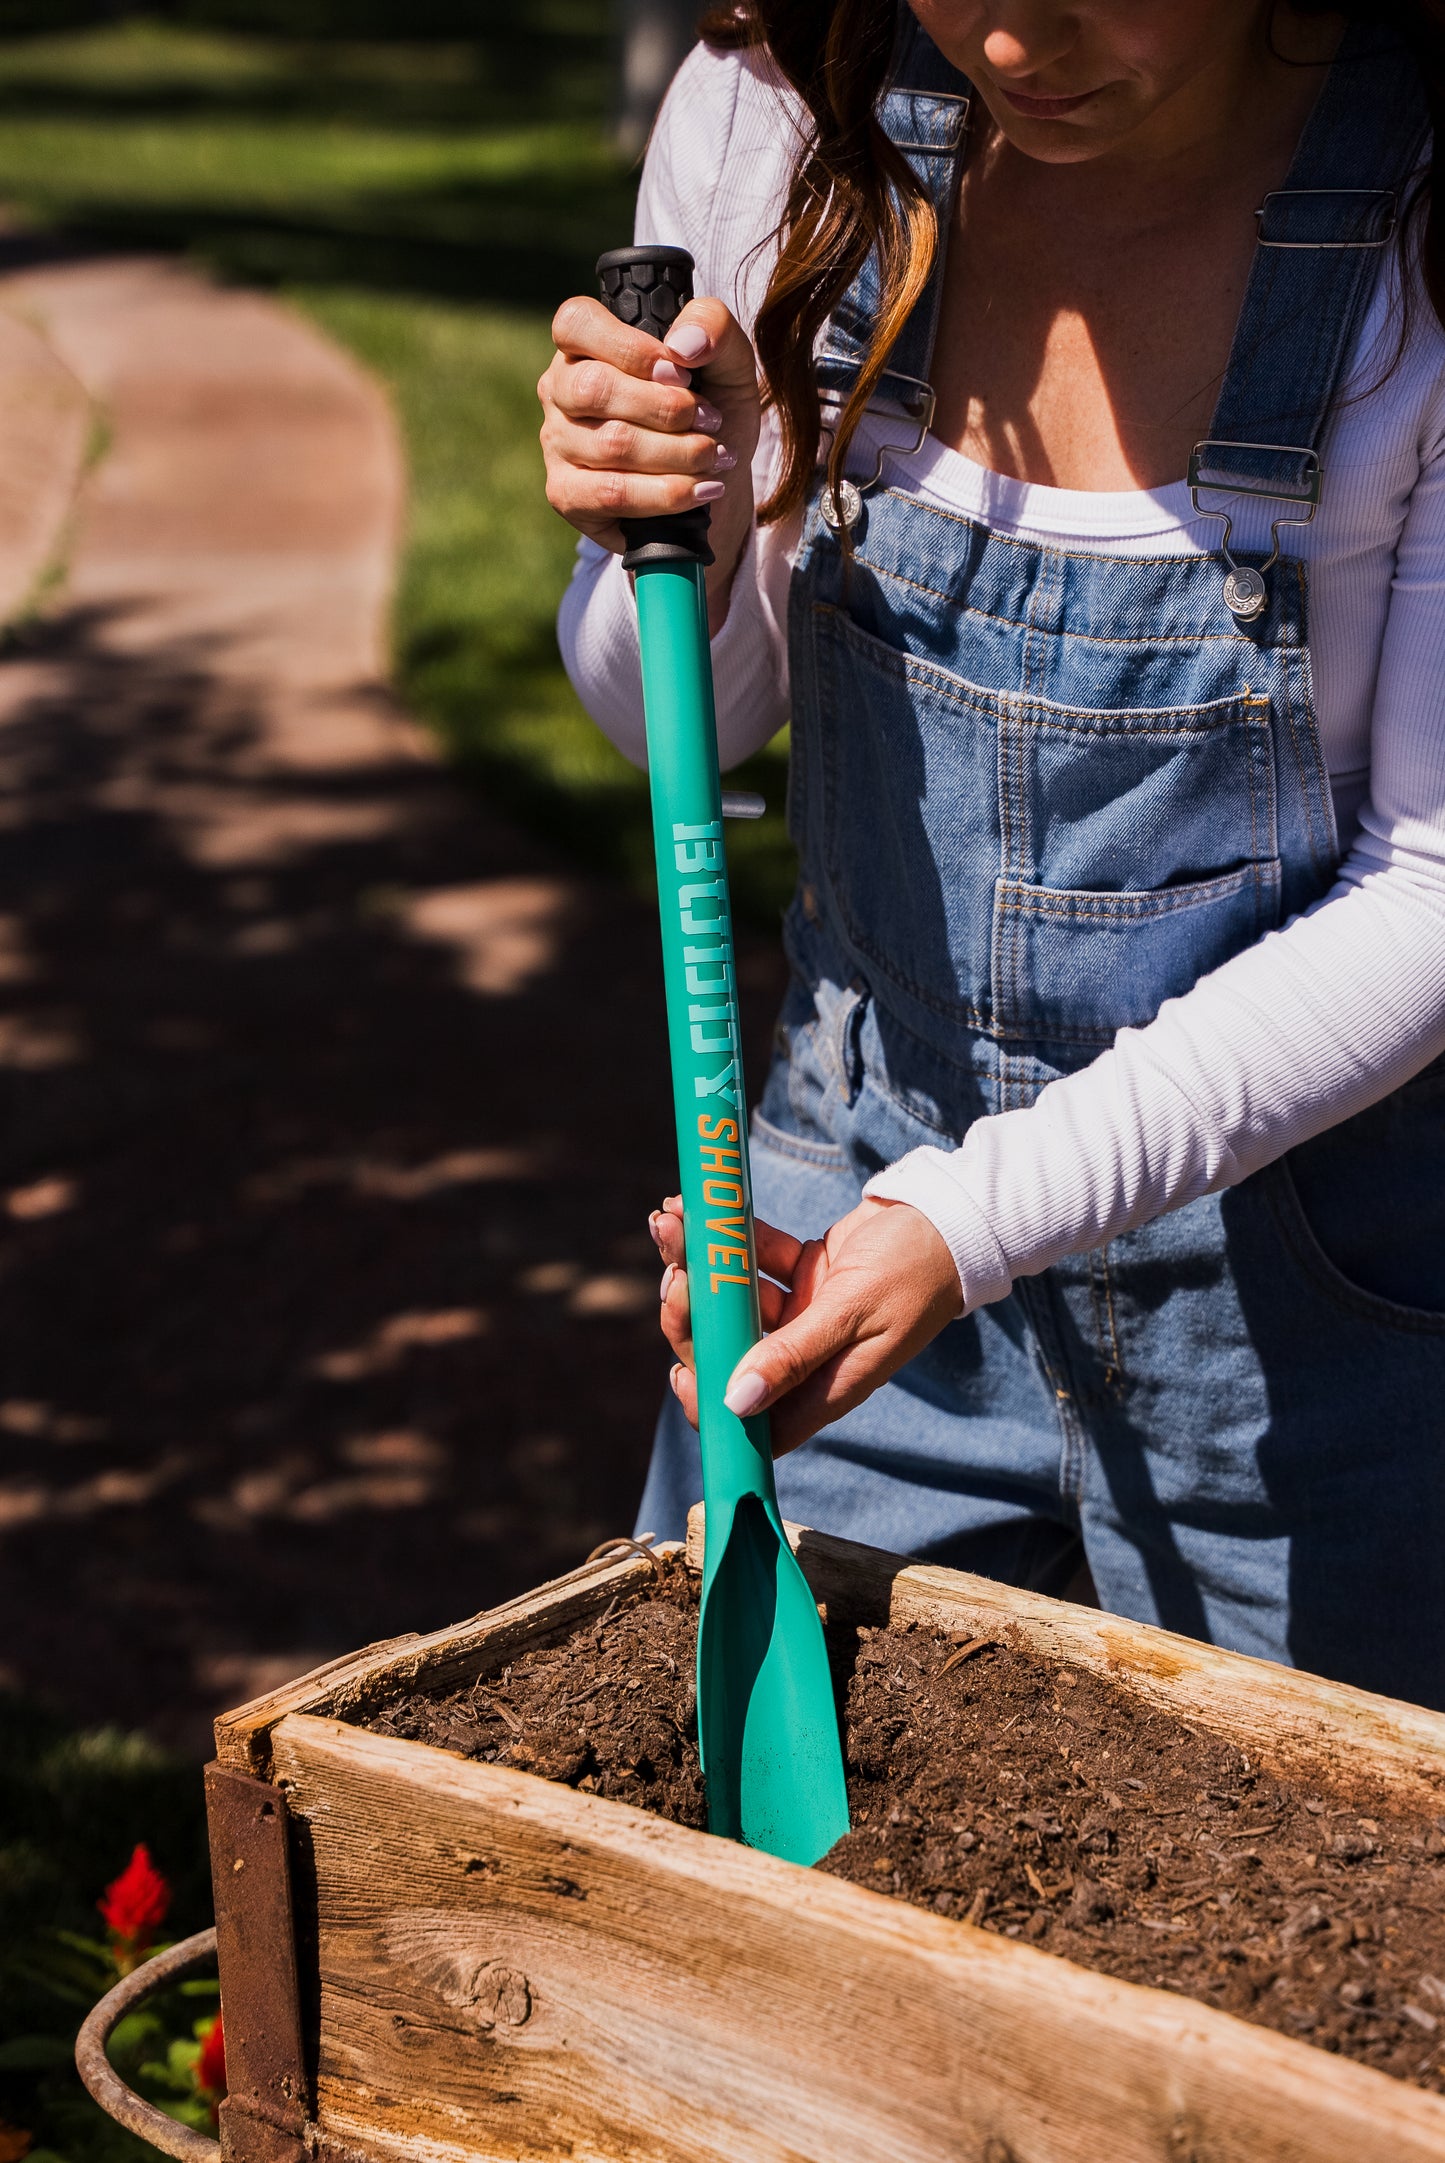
pixel 851 192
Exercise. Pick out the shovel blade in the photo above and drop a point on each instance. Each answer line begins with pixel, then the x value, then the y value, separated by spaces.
pixel 767 1723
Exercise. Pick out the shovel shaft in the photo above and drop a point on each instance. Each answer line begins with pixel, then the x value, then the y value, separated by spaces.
pixel 767 1728
pixel 700 978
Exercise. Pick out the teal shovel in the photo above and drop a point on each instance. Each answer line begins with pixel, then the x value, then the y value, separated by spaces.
pixel 767 1727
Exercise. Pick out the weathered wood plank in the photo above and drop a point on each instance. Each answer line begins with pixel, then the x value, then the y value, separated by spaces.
pixel 444 1659
pixel 510 1970
pixel 1282 1716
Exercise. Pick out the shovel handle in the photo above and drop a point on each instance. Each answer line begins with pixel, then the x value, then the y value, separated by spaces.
pixel 649 287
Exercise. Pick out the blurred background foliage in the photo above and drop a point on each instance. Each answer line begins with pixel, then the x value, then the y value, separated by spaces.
pixel 427 181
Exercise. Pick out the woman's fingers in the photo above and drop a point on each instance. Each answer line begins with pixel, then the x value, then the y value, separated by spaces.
pixel 633 428
pixel 676 1313
pixel 584 330
pixel 618 446
pixel 862 1302
pixel 665 1225
pixel 784 1360
pixel 778 1252
pixel 684 1388
pixel 595 501
pixel 592 390
pixel 708 337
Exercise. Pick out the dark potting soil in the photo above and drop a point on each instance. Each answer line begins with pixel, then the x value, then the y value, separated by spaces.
pixel 1046 1804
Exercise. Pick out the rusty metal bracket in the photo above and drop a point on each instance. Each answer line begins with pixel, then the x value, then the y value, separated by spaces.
pixel 100 2076
pixel 263 2118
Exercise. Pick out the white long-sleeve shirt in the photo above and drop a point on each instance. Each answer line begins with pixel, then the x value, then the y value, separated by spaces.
pixel 1315 1021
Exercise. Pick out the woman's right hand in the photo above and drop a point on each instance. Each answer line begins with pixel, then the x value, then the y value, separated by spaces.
pixel 634 428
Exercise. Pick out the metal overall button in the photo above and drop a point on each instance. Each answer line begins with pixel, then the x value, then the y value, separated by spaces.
pixel 842 508
pixel 1244 592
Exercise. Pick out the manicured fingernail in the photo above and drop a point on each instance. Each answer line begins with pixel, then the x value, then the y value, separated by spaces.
pixel 708 491
pixel 745 1393
pixel 688 342
pixel 709 420
pixel 654 1225
pixel 666 371
pixel 673 1377
pixel 723 460
pixel 667 1276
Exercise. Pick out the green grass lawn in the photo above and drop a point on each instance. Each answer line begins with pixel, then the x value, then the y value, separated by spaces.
pixel 429 204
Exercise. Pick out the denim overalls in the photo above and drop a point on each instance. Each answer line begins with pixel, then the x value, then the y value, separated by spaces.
pixel 1035 793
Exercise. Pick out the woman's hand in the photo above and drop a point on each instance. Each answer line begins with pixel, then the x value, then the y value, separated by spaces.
pixel 628 433
pixel 846 1312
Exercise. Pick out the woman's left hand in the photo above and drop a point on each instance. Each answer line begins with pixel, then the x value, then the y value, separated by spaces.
pixel 853 1307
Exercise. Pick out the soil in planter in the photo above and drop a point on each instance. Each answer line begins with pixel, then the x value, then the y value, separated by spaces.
pixel 1044 1803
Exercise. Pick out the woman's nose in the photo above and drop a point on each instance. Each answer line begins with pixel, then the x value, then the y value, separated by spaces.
pixel 1029 40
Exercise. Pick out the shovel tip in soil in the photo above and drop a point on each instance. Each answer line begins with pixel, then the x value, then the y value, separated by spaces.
pixel 771 1753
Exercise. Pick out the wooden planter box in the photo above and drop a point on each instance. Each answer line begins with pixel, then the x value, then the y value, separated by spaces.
pixel 426 1957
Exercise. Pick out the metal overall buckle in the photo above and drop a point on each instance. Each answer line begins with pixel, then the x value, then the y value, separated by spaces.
pixel 1387 198
pixel 842 509
pixel 1244 587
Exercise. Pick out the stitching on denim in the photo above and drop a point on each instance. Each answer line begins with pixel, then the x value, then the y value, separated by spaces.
pixel 1119 1375
pixel 1312 772
pixel 1035 1296
pixel 1013 926
pixel 1018 895
pixel 1039 1031
pixel 1003 756
pixel 1115 1378
pixel 1035 547
pixel 1249 782
pixel 1038 712
pixel 1092 638
pixel 1301 772
pixel 1259 760
pixel 999 960
pixel 1101 1340
pixel 1287 1209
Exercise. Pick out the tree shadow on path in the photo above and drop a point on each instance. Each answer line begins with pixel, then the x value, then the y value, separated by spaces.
pixel 331 1113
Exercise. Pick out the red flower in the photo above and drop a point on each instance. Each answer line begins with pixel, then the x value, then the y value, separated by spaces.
pixel 211 2065
pixel 134 1907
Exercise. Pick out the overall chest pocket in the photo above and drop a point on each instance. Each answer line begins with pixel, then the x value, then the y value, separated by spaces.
pixel 1049 873
pixel 1138 851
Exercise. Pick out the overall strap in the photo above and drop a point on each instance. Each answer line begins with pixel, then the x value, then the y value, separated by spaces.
pixel 1318 255
pixel 924 113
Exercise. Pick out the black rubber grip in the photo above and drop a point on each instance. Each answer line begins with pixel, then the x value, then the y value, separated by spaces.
pixel 649 288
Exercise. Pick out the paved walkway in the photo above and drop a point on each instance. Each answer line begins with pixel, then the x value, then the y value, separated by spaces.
pixel 330 1107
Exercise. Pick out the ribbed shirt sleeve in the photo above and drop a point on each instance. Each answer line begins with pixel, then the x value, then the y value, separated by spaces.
pixel 713 169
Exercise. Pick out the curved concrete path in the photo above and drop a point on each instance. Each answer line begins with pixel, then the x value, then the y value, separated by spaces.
pixel 330 1107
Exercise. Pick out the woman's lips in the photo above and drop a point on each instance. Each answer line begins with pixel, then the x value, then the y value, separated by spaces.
pixel 1045 108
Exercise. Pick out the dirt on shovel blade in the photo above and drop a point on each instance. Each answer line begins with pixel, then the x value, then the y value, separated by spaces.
pixel 1046 1804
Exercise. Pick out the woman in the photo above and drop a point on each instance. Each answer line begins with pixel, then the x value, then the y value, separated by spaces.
pixel 1103 1157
